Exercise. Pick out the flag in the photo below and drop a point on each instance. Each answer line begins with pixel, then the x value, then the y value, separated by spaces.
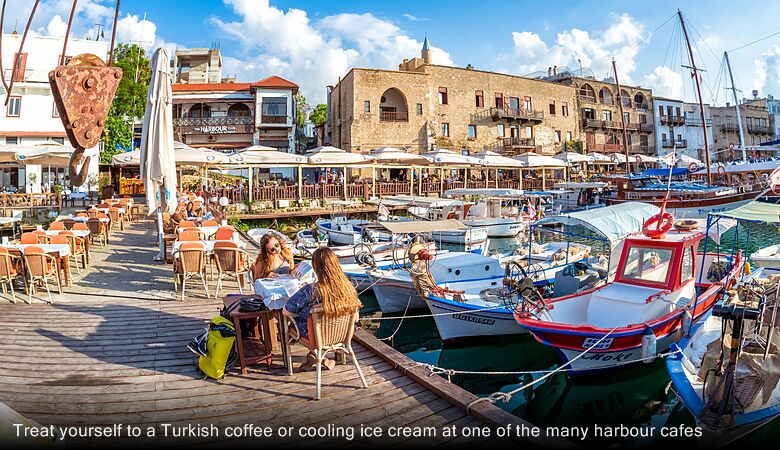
pixel 531 209
pixel 670 159
pixel 698 78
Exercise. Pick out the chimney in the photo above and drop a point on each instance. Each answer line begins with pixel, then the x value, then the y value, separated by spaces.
pixel 555 70
pixel 755 94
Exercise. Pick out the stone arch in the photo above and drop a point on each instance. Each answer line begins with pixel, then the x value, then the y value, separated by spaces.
pixel 639 99
pixel 586 90
pixel 605 96
pixel 393 106
pixel 239 110
pixel 199 111
pixel 625 97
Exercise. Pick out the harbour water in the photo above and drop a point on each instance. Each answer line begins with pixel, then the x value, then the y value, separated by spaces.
pixel 639 395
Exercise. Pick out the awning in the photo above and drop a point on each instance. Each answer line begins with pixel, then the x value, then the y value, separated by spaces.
pixel 676 172
pixel 421 226
pixel 613 222
pixel 484 192
pixel 754 211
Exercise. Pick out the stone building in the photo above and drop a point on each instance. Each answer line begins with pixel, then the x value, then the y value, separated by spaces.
pixel 757 127
pixel 197 66
pixel 423 106
pixel 599 113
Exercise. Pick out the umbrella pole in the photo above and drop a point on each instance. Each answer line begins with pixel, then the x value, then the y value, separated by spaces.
pixel 160 233
pixel 300 184
pixel 373 181
pixel 411 180
pixel 544 179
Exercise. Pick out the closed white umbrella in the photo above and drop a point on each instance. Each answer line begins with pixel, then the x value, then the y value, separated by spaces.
pixel 573 157
pixel 537 160
pixel 132 158
pixel 390 155
pixel 258 154
pixel 600 158
pixel 158 167
pixel 335 156
pixel 493 159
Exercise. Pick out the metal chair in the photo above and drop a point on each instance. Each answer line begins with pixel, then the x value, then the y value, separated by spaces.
pixel 189 261
pixel 40 268
pixel 230 261
pixel 331 334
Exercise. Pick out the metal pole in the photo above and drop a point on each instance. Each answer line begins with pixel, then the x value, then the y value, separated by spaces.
pixel 736 105
pixel 622 118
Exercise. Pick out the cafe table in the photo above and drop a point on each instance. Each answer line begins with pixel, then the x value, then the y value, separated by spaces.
pixel 59 251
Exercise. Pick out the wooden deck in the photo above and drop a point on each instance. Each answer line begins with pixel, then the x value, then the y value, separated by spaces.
pixel 114 352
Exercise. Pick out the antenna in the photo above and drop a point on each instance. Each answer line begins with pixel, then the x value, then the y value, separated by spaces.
pixel 99 34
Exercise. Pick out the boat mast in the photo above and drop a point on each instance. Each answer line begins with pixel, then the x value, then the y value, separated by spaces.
pixel 622 118
pixel 698 92
pixel 736 105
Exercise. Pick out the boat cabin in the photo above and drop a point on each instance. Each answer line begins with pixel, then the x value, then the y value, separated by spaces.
pixel 457 267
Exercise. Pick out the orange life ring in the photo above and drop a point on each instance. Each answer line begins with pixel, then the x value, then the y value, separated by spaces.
pixel 693 167
pixel 776 189
pixel 721 169
pixel 663 223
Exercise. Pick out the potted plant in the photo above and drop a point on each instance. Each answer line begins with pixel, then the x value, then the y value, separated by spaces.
pixel 32 178
pixel 105 187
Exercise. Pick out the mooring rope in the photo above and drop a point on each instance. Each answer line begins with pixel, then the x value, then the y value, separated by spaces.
pixel 400 323
pixel 364 319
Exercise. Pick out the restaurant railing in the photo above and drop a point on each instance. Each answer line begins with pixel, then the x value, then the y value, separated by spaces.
pixel 393 116
pixel 31 200
pixel 516 114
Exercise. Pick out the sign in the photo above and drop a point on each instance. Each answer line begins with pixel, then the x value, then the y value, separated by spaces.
pixel 215 129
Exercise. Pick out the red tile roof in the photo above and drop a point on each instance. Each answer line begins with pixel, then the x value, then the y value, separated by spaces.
pixel 211 87
pixel 275 82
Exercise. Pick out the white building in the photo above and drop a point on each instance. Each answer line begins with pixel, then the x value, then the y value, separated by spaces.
pixel 30 116
pixel 670 129
pixel 695 131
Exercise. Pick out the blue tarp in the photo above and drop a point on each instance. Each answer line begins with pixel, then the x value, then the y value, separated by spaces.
pixel 676 172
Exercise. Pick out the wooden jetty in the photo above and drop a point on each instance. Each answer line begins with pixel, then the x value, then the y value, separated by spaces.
pixel 112 350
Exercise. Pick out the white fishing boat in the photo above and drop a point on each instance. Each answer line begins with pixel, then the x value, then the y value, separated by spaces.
pixel 256 235
pixel 486 309
pixel 726 371
pixel 504 212
pixel 767 257
pixel 343 231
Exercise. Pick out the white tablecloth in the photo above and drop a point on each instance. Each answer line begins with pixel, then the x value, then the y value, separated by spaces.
pixel 79 233
pixel 207 231
pixel 62 249
pixel 81 219
pixel 105 210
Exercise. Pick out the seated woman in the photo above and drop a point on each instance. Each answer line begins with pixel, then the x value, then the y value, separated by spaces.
pixel 273 260
pixel 332 289
pixel 190 211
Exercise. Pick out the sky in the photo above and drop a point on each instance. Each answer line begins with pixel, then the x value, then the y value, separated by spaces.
pixel 313 43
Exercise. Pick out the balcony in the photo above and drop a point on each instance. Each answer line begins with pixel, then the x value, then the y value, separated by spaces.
pixel 611 124
pixel 21 75
pixel 632 126
pixel 673 120
pixel 516 114
pixel 591 123
pixel 587 98
pixel 758 129
pixel 646 149
pixel 519 142
pixel 214 125
pixel 679 143
pixel 729 127
pixel 606 101
pixel 393 116
pixel 646 127
pixel 642 106
pixel 696 122
pixel 605 147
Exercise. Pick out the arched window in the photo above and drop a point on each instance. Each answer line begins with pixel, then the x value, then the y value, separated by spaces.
pixel 625 97
pixel 392 106
pixel 199 111
pixel 605 96
pixel 639 101
pixel 587 93
pixel 239 110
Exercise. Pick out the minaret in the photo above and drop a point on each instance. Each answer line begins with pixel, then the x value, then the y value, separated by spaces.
pixel 426 51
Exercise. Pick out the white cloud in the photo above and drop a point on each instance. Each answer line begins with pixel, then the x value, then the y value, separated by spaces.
pixel 665 82
pixel 415 18
pixel 56 27
pixel 530 53
pixel 310 53
pixel 766 78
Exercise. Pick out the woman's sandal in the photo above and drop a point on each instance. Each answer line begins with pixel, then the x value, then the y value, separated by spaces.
pixel 308 364
pixel 328 363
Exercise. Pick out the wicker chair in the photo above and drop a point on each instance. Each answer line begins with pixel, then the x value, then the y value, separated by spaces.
pixel 230 261
pixel 57 226
pixel 331 334
pixel 9 270
pixel 189 261
pixel 83 214
pixel 29 238
pixel 42 237
pixel 80 226
pixel 97 230
pixel 77 249
pixel 209 223
pixel 69 223
pixel 40 268
pixel 93 213
pixel 116 218
pixel 191 235
pixel 187 224
pixel 224 234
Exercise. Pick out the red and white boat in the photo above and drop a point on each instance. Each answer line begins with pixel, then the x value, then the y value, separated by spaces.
pixel 661 286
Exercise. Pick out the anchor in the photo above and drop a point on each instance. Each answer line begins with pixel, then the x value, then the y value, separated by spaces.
pixel 83 90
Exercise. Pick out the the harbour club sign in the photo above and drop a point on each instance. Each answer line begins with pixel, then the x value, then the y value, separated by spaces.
pixel 215 129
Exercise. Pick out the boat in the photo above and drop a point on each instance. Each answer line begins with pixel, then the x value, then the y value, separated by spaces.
pixel 343 231
pixel 256 235
pixel 660 283
pixel 767 257
pixel 573 196
pixel 504 212
pixel 726 371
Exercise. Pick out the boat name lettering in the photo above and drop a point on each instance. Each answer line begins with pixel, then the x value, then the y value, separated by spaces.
pixel 620 357
pixel 595 344
pixel 472 319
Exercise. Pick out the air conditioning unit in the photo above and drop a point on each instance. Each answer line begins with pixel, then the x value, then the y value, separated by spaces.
pixel 281 204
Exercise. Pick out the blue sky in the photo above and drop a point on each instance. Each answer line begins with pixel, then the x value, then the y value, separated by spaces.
pixel 314 42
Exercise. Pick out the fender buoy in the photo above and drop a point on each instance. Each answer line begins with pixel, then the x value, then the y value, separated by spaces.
pixel 658 225
pixel 721 169
pixel 693 167
pixel 746 269
pixel 614 157
pixel 776 189
pixel 638 159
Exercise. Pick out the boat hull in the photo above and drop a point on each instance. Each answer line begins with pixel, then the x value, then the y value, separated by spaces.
pixel 397 297
pixel 459 320
pixel 470 236
pixel 498 228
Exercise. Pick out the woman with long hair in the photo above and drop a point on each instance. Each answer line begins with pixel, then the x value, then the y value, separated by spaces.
pixel 332 289
pixel 274 258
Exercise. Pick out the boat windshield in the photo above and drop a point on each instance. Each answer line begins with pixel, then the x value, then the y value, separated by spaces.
pixel 647 264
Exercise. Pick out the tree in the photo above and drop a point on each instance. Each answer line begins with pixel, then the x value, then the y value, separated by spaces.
pixel 116 131
pixel 129 102
pixel 300 102
pixel 320 115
